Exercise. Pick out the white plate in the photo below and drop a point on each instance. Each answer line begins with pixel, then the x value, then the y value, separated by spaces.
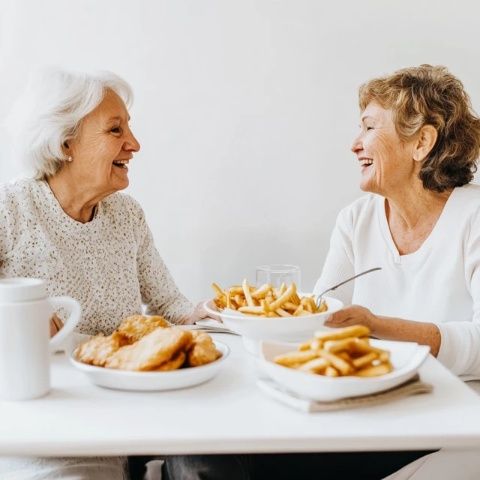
pixel 153 381
pixel 277 328
pixel 406 357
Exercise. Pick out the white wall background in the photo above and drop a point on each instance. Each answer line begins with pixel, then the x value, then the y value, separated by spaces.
pixel 245 109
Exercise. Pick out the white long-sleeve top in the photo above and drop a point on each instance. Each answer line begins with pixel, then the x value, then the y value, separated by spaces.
pixel 439 283
pixel 110 264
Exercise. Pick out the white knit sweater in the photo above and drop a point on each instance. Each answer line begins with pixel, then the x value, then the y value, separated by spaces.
pixel 438 283
pixel 110 264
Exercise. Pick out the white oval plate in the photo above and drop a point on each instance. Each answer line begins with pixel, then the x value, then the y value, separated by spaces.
pixel 277 328
pixel 406 357
pixel 153 381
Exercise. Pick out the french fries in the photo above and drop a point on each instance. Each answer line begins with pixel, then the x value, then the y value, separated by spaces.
pixel 266 301
pixel 339 353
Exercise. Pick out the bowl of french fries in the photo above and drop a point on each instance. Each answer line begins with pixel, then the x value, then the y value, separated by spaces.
pixel 265 312
pixel 341 363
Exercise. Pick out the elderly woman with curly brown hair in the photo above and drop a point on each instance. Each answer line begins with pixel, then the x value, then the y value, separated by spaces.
pixel 418 147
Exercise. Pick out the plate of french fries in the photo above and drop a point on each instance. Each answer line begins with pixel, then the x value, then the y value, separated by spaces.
pixel 264 312
pixel 341 363
pixel 147 353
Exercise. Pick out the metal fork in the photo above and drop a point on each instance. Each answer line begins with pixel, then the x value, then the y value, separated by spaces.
pixel 319 297
pixel 210 329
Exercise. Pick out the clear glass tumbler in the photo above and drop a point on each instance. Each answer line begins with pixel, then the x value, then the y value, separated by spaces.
pixel 277 274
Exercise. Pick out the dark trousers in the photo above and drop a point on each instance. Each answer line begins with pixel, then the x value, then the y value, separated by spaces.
pixel 288 466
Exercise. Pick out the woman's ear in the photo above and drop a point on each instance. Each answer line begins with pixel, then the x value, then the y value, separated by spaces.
pixel 425 142
pixel 66 147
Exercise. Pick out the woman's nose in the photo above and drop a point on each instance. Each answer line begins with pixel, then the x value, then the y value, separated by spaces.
pixel 132 144
pixel 357 144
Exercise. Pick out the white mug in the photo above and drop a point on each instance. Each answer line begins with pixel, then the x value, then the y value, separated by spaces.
pixel 25 344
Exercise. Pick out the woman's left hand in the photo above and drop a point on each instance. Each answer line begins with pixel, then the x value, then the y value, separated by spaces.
pixel 352 315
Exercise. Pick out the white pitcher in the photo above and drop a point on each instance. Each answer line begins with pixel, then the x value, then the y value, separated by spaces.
pixel 25 344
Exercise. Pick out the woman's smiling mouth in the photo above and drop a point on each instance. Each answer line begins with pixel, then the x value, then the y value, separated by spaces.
pixel 365 163
pixel 121 164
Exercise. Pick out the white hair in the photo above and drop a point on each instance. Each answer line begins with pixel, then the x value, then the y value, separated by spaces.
pixel 51 110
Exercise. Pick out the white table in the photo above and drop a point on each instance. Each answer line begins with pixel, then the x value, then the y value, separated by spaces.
pixel 229 414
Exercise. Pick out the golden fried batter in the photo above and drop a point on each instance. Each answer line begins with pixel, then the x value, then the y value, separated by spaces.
pixel 137 326
pixel 152 350
pixel 202 351
pixel 176 362
pixel 98 349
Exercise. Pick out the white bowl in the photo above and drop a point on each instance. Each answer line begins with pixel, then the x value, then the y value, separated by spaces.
pixel 278 328
pixel 153 381
pixel 406 357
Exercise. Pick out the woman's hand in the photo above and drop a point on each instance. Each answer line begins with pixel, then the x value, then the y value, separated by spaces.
pixel 200 313
pixel 353 315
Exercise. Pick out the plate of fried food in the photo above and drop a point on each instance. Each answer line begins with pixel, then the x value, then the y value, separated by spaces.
pixel 341 363
pixel 265 312
pixel 146 353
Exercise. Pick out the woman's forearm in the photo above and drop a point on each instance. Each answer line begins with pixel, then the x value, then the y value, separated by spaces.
pixel 390 328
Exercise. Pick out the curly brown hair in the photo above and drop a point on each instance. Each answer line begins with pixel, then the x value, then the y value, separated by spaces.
pixel 431 95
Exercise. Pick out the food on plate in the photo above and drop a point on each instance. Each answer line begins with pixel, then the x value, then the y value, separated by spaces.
pixel 137 326
pixel 148 344
pixel 266 301
pixel 100 348
pixel 342 333
pixel 151 351
pixel 175 363
pixel 342 352
pixel 203 350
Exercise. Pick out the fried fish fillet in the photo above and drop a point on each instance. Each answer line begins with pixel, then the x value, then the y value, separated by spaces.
pixel 151 351
pixel 137 326
pixel 176 362
pixel 98 349
pixel 202 351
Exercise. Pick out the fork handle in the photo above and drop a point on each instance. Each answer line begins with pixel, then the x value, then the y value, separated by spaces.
pixel 319 297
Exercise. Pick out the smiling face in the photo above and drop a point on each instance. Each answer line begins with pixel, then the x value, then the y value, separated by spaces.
pixel 103 147
pixel 386 161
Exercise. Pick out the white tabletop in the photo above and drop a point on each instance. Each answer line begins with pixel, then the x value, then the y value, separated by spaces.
pixel 229 414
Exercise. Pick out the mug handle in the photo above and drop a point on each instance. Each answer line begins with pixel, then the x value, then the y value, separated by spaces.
pixel 75 314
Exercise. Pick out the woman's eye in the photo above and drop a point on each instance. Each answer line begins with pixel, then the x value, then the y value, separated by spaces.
pixel 369 128
pixel 116 130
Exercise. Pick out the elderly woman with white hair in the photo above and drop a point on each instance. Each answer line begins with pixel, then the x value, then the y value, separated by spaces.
pixel 68 224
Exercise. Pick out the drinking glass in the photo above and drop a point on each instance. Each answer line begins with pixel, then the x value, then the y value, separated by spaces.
pixel 277 274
